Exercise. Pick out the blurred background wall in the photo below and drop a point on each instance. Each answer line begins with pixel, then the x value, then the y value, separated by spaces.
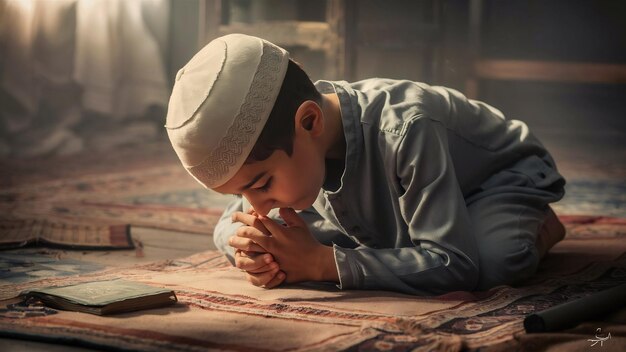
pixel 81 75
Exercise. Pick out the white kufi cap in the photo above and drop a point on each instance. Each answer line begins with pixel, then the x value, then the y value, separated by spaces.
pixel 220 102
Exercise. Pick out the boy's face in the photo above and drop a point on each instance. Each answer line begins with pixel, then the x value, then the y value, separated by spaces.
pixel 281 181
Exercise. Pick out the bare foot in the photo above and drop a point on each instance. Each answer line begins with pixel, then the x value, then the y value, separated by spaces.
pixel 552 231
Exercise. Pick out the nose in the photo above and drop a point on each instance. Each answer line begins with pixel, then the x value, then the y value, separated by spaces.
pixel 262 205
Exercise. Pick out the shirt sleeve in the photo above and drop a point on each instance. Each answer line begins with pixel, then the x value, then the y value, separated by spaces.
pixel 324 231
pixel 443 256
pixel 226 228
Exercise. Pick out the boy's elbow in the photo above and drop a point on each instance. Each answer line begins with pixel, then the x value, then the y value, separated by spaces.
pixel 220 238
pixel 457 273
pixel 465 271
pixel 224 229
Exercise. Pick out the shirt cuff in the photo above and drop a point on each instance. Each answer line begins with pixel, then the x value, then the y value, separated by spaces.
pixel 349 275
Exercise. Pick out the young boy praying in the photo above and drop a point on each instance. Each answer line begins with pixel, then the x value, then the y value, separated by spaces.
pixel 380 184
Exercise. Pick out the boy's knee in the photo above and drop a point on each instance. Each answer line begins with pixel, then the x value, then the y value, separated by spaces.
pixel 506 265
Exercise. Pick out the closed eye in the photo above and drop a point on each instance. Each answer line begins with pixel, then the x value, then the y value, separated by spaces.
pixel 266 186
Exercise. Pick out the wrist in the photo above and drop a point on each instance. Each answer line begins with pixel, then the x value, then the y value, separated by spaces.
pixel 326 268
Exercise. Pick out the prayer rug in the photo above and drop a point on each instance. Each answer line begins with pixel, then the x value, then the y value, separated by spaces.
pixel 146 188
pixel 34 264
pixel 219 310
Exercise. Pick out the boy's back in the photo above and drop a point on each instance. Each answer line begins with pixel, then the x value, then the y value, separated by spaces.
pixel 480 140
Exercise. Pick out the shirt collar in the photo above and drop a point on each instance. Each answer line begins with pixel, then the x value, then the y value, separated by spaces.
pixel 351 120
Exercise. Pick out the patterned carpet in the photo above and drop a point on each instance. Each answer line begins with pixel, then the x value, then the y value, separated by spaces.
pixel 148 189
pixel 219 310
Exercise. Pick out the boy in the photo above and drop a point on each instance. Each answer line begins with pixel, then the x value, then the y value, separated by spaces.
pixel 400 185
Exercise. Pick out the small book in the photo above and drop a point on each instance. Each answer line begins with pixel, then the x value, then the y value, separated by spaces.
pixel 103 297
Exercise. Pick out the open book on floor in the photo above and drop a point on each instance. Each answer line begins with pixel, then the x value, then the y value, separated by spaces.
pixel 103 297
pixel 15 233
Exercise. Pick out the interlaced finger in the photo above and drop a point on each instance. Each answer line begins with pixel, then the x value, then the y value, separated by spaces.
pixel 250 220
pixel 261 279
pixel 245 244
pixel 276 280
pixel 257 263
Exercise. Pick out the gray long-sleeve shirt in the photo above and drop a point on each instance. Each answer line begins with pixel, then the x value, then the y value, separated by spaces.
pixel 414 153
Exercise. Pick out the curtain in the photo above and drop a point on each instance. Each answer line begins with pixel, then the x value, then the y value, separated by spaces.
pixel 81 74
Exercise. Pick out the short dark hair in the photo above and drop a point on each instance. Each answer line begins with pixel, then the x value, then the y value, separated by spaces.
pixel 278 132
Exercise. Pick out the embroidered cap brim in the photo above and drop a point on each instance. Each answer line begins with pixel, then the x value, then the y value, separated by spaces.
pixel 220 102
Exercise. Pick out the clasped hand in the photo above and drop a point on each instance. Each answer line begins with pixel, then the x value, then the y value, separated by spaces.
pixel 271 253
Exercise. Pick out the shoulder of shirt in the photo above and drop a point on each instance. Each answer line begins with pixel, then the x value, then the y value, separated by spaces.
pixel 404 102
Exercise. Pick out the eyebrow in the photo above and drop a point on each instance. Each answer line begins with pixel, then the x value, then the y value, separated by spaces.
pixel 254 180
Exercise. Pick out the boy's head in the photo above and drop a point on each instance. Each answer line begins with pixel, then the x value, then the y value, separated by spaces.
pixel 243 118
pixel 278 132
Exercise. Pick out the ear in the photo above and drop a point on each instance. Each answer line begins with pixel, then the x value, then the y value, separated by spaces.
pixel 309 118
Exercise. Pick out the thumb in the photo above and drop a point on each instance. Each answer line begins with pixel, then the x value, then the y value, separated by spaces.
pixel 292 219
